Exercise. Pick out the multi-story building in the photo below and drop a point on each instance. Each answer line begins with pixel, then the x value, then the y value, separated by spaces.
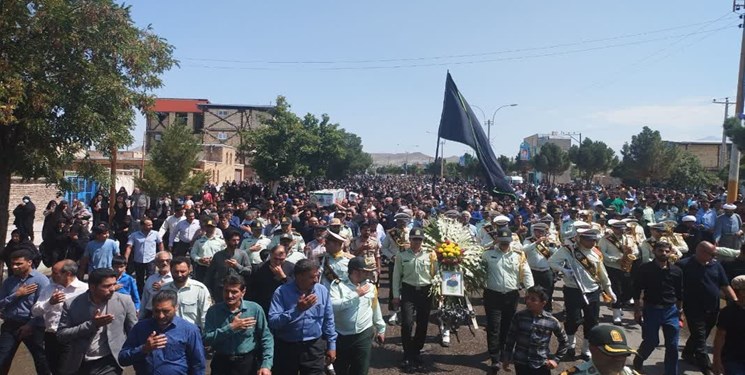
pixel 532 146
pixel 219 127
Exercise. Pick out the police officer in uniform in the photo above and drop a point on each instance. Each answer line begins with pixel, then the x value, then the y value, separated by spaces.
pixel 507 271
pixel 297 244
pixel 395 241
pixel 586 279
pixel 412 278
pixel 538 248
pixel 619 256
pixel 334 262
pixel 657 234
pixel 609 353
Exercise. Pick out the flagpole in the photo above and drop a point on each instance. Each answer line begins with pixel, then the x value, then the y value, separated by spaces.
pixel 434 174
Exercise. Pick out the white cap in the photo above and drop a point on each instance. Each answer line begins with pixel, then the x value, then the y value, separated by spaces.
pixel 540 226
pixel 590 233
pixel 617 223
pixel 501 219
pixel 729 206
pixel 689 219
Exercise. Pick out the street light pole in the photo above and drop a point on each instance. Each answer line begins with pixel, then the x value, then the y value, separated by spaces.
pixel 723 150
pixel 490 123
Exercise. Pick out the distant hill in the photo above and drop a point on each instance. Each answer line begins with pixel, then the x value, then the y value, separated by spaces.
pixel 401 158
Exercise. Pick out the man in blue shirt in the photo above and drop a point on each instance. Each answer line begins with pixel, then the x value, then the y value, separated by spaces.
pixel 17 297
pixel 145 243
pixel 164 344
pixel 99 252
pixel 300 313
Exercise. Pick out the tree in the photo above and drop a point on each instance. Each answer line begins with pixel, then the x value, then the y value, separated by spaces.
pixel 472 166
pixel 508 164
pixel 280 145
pixel 172 161
pixel 552 161
pixel 688 173
pixel 592 158
pixel 73 74
pixel 647 159
pixel 311 147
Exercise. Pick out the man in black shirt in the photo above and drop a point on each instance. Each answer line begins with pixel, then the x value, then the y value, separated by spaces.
pixel 735 267
pixel 662 284
pixel 272 274
pixel 703 279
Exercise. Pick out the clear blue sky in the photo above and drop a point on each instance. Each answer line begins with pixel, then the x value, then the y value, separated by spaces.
pixel 604 69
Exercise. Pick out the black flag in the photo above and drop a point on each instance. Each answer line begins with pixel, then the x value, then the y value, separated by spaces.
pixel 459 124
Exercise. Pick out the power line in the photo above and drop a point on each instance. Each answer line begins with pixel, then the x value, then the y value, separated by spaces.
pixel 519 50
pixel 467 62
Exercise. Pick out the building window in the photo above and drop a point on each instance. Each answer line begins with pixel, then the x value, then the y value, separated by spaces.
pixel 221 136
pixel 198 122
pixel 182 118
pixel 157 137
pixel 222 113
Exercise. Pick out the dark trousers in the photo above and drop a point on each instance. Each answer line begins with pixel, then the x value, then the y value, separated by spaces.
pixel 500 308
pixel 527 370
pixel 666 317
pixel 700 325
pixel 390 286
pixel 180 249
pixel 233 365
pixel 353 353
pixel 54 351
pixel 142 272
pixel 546 280
pixel 305 358
pixel 9 345
pixel 104 366
pixel 621 283
pixel 577 312
pixel 415 302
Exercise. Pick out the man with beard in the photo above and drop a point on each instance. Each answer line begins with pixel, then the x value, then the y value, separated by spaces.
pixel 609 350
pixel 17 297
pixel 728 228
pixel 193 296
pixel 316 249
pixel 296 245
pixel 95 325
pixel 237 330
pixel 65 286
pixel 165 343
pixel 367 246
pixel 272 274
pixel 690 231
pixel 230 261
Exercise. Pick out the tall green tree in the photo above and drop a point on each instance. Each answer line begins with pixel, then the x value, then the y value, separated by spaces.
pixel 592 157
pixel 646 159
pixel 688 173
pixel 552 161
pixel 172 163
pixel 72 75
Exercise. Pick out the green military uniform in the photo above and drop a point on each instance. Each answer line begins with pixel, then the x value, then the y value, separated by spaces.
pixel 412 279
pixel 611 342
pixel 295 251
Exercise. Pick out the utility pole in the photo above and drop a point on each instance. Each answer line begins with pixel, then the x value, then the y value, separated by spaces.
pixel 572 134
pixel 723 149
pixel 734 161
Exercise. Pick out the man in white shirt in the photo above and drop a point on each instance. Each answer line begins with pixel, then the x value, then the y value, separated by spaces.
pixel 154 282
pixel 65 286
pixel 185 232
pixel 169 225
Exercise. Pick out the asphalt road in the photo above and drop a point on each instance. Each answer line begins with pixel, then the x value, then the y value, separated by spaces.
pixel 467 353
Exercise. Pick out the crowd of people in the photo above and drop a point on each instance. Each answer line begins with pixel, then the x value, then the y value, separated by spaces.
pixel 262 279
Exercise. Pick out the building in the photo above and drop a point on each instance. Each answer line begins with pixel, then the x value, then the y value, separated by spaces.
pixel 532 146
pixel 211 123
pixel 707 153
